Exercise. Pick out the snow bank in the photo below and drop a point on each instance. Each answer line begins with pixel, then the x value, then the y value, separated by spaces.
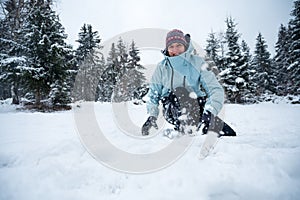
pixel 41 157
pixel 5 106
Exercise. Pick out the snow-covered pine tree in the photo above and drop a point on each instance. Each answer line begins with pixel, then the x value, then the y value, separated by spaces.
pixel 133 80
pixel 293 83
pixel 122 76
pixel 233 76
pixel 120 87
pixel 89 42
pixel 11 49
pixel 122 55
pixel 46 53
pixel 248 95
pixel 245 51
pixel 90 64
pixel 212 49
pixel 60 94
pixel 134 59
pixel 222 53
pixel 109 76
pixel 281 60
pixel 261 63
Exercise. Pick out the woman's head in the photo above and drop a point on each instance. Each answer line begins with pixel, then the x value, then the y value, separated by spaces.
pixel 176 42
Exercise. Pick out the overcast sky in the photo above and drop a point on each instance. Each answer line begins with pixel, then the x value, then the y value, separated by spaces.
pixel 197 17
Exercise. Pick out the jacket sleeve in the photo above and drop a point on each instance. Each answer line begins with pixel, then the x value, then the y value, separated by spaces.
pixel 214 92
pixel 154 94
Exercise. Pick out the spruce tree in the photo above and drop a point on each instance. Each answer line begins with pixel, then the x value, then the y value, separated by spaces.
pixel 140 87
pixel 222 53
pixel 293 83
pixel 122 77
pixel 133 79
pixel 121 72
pixel 248 92
pixel 245 51
pixel 89 42
pixel 46 53
pixel 11 49
pixel 263 77
pixel 90 63
pixel 233 76
pixel 109 76
pixel 212 48
pixel 281 60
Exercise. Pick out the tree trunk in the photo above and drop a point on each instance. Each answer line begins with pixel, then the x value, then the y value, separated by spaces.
pixel 38 97
pixel 14 94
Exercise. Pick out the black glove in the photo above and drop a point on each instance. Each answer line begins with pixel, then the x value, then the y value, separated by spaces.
pixel 208 121
pixel 151 121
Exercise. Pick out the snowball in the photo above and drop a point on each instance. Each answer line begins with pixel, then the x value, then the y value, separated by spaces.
pixel 193 95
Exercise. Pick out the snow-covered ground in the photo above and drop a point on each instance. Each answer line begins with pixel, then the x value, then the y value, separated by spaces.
pixel 42 157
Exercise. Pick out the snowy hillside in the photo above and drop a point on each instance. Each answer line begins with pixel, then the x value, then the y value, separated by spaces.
pixel 42 157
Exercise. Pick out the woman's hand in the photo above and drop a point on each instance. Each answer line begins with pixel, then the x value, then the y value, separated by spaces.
pixel 207 121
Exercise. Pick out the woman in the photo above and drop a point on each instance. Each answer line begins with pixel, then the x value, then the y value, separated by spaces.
pixel 186 88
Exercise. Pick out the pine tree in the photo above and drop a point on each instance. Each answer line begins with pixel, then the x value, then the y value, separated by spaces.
pixel 293 83
pixel 248 92
pixel 133 79
pixel 212 48
pixel 46 53
pixel 233 77
pixel 281 60
pixel 213 56
pixel 121 72
pixel 134 59
pixel 245 51
pixel 109 76
pixel 90 62
pixel 11 50
pixel 264 77
pixel 89 42
pixel 122 77
pixel 140 88
pixel 222 53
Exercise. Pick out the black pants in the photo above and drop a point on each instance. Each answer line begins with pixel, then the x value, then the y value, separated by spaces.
pixel 179 104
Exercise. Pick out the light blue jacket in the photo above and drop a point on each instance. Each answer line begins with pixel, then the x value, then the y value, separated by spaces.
pixel 188 70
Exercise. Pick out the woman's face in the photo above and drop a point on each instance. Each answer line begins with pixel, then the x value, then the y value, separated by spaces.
pixel 175 49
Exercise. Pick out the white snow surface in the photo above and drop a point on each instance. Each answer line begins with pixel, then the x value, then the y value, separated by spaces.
pixel 42 157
